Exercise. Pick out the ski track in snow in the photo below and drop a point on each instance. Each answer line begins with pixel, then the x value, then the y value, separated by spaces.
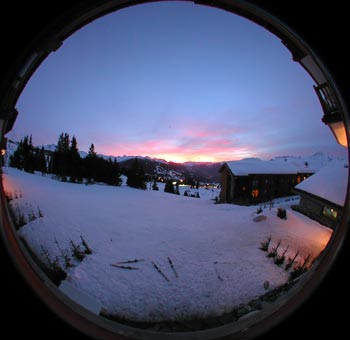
pixel 214 248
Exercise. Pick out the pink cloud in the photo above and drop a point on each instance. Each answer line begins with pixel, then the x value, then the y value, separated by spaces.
pixel 191 141
pixel 190 149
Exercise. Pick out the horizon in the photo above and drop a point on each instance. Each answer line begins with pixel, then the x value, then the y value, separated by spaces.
pixel 175 81
pixel 332 155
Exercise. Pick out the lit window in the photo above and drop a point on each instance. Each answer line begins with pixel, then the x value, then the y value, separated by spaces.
pixel 329 212
pixel 255 193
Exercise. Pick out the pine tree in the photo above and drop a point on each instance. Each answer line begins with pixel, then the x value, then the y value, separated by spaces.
pixel 16 159
pixel 74 145
pixel 169 187
pixel 40 160
pixel 177 189
pixel 27 152
pixel 136 176
pixel 60 158
pixel 90 165
pixel 155 186
pixel 92 152
pixel 23 157
pixel 111 172
pixel 74 162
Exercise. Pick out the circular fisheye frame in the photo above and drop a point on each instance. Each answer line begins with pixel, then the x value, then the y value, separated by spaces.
pixel 249 320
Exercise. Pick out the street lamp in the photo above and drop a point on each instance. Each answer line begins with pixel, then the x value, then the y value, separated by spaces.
pixel 332 115
pixel 336 124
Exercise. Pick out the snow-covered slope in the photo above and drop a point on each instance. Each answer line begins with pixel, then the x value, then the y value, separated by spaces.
pixel 316 161
pixel 214 248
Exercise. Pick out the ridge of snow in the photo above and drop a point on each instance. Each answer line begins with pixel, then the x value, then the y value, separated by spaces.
pixel 257 166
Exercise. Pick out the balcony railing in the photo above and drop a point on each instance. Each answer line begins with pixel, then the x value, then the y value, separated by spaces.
pixel 328 102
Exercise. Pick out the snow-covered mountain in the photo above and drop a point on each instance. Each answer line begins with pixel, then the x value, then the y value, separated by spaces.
pixel 199 171
pixel 315 161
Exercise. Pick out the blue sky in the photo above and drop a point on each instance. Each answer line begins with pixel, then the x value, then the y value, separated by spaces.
pixel 176 81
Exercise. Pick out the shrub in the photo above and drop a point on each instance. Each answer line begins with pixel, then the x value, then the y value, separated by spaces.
pixel 40 213
pixel 53 269
pixel 299 269
pixel 273 253
pixel 77 252
pixel 279 259
pixel 31 216
pixel 87 250
pixel 264 246
pixel 282 213
pixel 155 186
pixel 169 187
pixel 18 218
pixel 291 261
pixel 65 256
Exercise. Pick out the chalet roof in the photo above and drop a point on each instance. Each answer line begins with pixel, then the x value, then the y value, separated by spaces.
pixel 253 166
pixel 329 183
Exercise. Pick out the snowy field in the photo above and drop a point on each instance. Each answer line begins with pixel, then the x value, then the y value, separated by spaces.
pixel 214 248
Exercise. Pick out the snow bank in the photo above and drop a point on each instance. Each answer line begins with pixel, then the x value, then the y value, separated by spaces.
pixel 330 183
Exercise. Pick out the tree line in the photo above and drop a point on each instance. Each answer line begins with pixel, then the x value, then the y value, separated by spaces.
pixel 65 162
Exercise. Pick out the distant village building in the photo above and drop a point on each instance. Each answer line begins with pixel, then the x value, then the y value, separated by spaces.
pixel 322 196
pixel 251 181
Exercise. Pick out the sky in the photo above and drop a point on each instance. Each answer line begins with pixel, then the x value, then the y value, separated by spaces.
pixel 176 81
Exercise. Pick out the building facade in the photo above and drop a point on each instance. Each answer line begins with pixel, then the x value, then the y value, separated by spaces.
pixel 321 210
pixel 256 181
pixel 322 196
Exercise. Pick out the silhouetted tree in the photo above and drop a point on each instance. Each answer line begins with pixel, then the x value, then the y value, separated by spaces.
pixel 60 158
pixel 90 164
pixel 169 187
pixel 40 160
pixel 177 189
pixel 155 185
pixel 24 156
pixel 136 176
pixel 74 162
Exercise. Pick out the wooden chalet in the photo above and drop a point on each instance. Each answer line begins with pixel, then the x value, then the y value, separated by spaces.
pixel 252 181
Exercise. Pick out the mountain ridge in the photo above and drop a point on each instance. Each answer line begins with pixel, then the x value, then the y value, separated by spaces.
pixel 199 171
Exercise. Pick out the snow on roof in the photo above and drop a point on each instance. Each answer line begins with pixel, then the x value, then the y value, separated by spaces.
pixel 250 166
pixel 329 183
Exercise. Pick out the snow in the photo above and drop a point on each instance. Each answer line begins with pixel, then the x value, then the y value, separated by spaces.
pixel 214 248
pixel 330 183
pixel 80 297
pixel 251 166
